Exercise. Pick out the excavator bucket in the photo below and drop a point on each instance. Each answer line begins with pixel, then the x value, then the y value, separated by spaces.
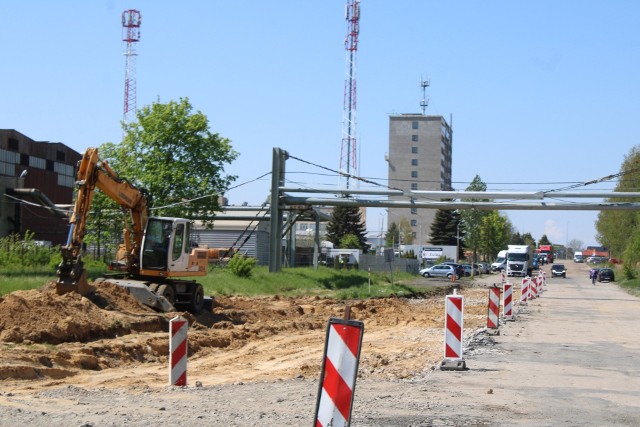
pixel 73 279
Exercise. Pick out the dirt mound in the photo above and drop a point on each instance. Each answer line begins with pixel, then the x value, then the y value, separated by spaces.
pixel 42 316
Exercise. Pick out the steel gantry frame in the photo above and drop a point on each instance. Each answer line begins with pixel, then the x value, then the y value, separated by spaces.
pixel 282 201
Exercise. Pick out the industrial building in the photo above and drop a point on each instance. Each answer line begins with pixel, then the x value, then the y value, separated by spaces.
pixel 46 167
pixel 419 158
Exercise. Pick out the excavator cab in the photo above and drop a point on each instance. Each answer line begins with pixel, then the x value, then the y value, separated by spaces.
pixel 166 250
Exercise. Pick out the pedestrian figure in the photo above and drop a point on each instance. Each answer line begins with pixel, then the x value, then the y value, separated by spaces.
pixel 593 274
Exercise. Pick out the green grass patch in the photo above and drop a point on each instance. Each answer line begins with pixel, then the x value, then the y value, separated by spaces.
pixel 303 281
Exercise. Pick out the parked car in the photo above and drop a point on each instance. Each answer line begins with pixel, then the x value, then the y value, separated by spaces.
pixel 469 270
pixel 606 275
pixel 483 267
pixel 558 270
pixel 440 270
pixel 458 267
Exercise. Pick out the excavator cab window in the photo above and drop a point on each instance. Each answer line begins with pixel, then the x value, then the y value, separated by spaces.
pixel 178 242
pixel 156 244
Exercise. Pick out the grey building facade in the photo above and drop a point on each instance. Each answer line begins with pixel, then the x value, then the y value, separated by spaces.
pixel 419 158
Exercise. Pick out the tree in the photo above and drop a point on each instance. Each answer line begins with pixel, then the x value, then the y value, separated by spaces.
pixel 446 229
pixel 544 240
pixel 495 232
pixel 529 240
pixel 171 152
pixel 406 232
pixel 517 239
pixel 616 229
pixel 346 220
pixel 349 241
pixel 576 244
pixel 391 236
pixel 472 218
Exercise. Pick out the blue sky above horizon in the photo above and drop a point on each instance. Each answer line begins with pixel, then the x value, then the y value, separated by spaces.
pixel 542 94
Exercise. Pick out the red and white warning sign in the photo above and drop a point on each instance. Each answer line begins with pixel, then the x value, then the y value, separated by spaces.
pixel 178 327
pixel 493 311
pixel 453 326
pixel 524 288
pixel 507 301
pixel 339 371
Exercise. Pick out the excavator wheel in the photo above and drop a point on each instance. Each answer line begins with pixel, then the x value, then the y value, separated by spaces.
pixel 197 299
pixel 168 292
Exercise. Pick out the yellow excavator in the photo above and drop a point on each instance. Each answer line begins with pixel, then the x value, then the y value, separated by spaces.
pixel 156 253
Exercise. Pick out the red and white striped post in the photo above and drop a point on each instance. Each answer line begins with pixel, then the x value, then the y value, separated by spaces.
pixel 503 276
pixel 178 327
pixel 507 301
pixel 493 311
pixel 339 371
pixel 453 327
pixel 533 285
pixel 524 291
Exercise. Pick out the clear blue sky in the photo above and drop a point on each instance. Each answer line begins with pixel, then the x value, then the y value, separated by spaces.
pixel 542 92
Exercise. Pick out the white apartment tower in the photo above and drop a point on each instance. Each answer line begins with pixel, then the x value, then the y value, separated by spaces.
pixel 419 159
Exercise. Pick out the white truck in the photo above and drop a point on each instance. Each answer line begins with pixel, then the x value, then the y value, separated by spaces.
pixel 501 261
pixel 519 260
pixel 577 257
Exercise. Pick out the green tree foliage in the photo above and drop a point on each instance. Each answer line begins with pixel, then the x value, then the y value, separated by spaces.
pixel 350 241
pixel 544 240
pixel 406 232
pixel 495 232
pixel 529 240
pixel 241 266
pixel 616 229
pixel 517 239
pixel 444 229
pixel 17 252
pixel 171 152
pixel 391 236
pixel 472 218
pixel 346 220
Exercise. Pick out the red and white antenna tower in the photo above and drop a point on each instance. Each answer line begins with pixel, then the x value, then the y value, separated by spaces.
pixel 131 20
pixel 348 158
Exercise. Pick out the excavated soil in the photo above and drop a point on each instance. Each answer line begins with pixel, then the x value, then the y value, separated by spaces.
pixel 110 340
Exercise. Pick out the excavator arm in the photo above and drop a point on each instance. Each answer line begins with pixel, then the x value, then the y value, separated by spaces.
pixel 94 173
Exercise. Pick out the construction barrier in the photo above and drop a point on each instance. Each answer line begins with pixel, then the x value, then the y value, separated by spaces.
pixel 533 285
pixel 507 301
pixel 493 311
pixel 503 276
pixel 178 327
pixel 339 371
pixel 453 327
pixel 524 291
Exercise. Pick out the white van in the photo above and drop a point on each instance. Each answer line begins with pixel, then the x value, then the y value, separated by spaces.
pixel 501 262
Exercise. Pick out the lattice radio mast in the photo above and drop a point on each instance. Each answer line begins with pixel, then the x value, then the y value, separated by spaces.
pixel 131 20
pixel 348 149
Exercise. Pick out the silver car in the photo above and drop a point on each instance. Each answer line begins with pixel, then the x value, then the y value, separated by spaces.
pixel 440 270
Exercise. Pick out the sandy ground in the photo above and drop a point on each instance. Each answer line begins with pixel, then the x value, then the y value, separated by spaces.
pixel 67 360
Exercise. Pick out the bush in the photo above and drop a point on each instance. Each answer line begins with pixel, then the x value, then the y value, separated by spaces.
pixel 628 271
pixel 16 251
pixel 241 266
